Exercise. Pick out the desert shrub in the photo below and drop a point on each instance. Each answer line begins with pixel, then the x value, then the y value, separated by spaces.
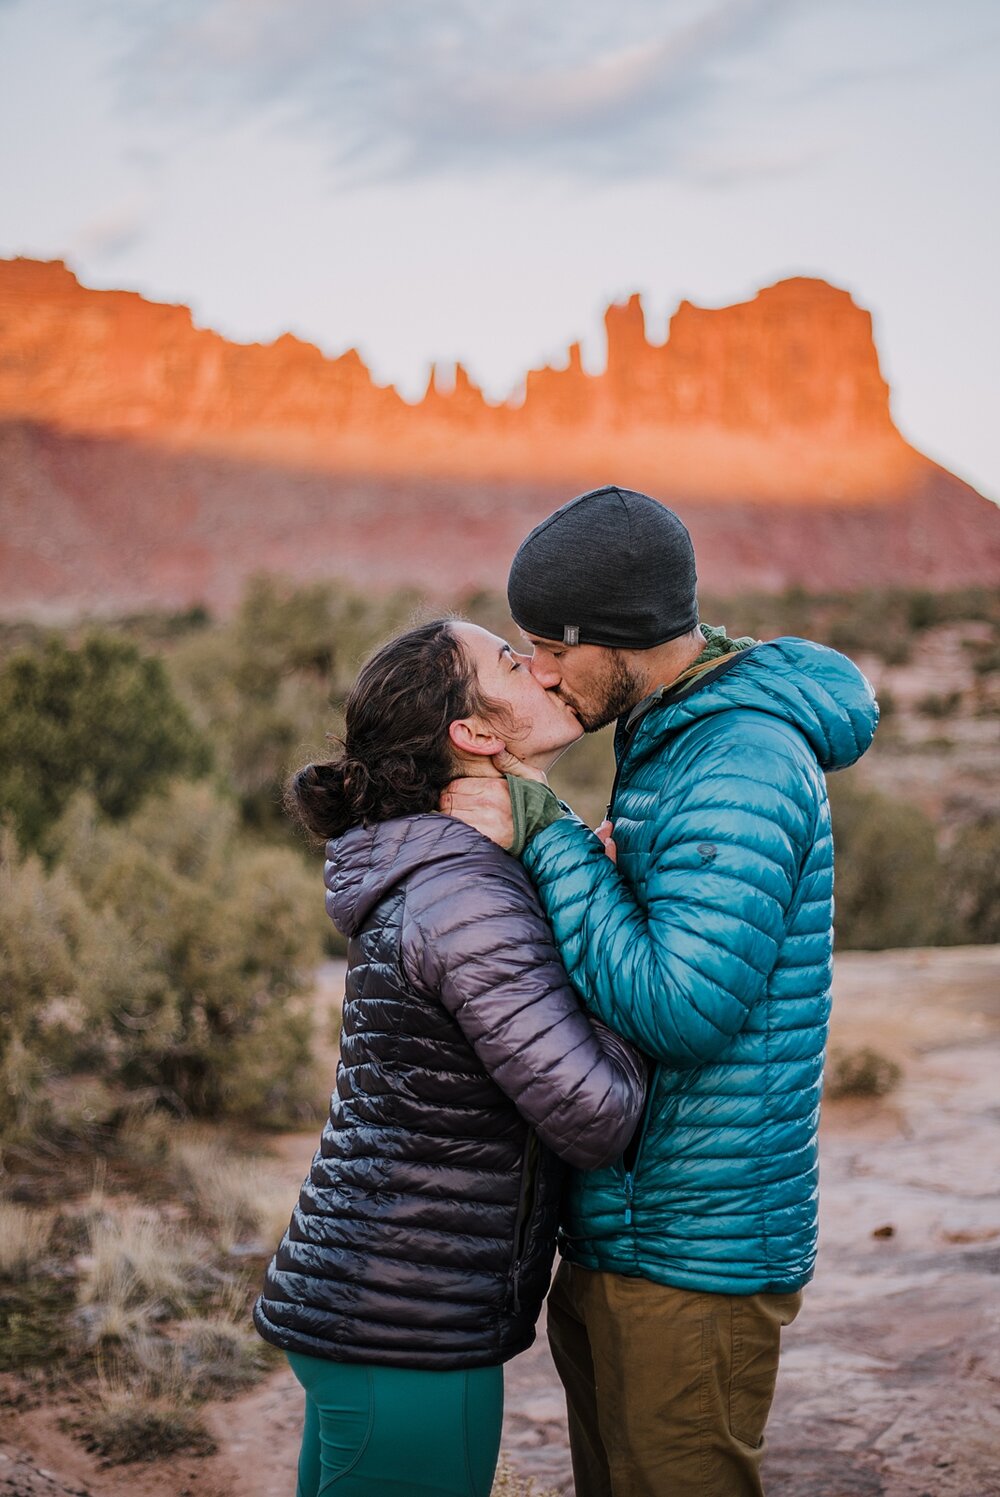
pixel 862 1072
pixel 137 1270
pixel 879 621
pixel 208 1356
pixel 43 921
pixel 971 883
pixel 267 686
pixel 33 1324
pixel 939 704
pixel 24 1238
pixel 129 1422
pixel 236 1196
pixel 203 996
pixel 101 717
pixel 888 884
pixel 153 1376
pixel 166 955
pixel 984 655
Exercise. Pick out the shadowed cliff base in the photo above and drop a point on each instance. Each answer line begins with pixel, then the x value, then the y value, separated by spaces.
pixel 102 525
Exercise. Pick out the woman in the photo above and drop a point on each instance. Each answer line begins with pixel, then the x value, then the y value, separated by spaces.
pixel 418 1256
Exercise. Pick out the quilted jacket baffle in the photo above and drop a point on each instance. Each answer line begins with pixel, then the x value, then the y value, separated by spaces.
pixel 710 946
pixel 425 1231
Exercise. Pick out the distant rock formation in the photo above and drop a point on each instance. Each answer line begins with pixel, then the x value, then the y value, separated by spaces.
pixel 147 460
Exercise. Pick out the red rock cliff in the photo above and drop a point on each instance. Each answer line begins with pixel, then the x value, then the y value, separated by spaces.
pixel 778 398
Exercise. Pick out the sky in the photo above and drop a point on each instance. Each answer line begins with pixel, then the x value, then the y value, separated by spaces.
pixel 475 180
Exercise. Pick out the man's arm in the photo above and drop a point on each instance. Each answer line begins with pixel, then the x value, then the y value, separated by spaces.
pixel 681 976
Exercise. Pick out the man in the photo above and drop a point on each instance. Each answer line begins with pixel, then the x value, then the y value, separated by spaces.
pixel 709 944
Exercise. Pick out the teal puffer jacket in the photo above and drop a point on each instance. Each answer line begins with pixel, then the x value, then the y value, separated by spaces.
pixel 710 946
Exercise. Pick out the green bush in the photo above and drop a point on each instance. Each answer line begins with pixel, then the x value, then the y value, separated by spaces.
pixel 940 704
pixel 43 924
pixel 971 879
pixel 888 878
pixel 166 954
pixel 102 718
pixel 268 686
pixel 863 1072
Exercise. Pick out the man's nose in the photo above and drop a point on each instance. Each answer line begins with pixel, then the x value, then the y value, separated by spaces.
pixel 545 671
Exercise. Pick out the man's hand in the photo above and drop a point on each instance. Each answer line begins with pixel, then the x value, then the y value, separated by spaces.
pixel 606 833
pixel 483 804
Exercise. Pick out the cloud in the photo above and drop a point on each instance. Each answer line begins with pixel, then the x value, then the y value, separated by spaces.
pixel 393 88
pixel 108 236
pixel 737 166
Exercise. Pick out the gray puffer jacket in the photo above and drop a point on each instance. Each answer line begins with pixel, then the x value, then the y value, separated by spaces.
pixel 468 1072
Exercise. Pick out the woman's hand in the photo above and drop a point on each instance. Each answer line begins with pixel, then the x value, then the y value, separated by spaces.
pixel 508 764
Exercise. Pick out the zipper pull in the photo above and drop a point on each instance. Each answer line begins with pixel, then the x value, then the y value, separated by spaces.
pixel 517 1286
pixel 628 1199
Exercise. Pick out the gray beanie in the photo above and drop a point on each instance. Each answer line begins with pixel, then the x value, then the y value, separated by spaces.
pixel 611 567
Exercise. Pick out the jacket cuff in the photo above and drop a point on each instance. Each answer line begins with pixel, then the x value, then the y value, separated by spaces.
pixel 533 807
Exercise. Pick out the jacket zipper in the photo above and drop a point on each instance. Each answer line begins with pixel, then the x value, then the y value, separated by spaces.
pixel 633 1167
pixel 666 694
pixel 627 744
pixel 525 1195
pixel 628 738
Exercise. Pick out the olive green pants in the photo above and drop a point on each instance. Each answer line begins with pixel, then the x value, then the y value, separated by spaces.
pixel 668 1390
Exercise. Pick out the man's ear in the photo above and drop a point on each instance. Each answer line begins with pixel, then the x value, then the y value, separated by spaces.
pixel 471 736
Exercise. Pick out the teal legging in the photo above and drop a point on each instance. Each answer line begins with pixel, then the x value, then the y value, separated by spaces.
pixel 393 1432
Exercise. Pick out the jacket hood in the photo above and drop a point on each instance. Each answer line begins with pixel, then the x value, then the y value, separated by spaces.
pixel 367 861
pixel 816 689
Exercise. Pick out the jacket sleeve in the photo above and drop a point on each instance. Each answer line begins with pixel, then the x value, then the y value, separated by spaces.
pixel 680 974
pixel 479 941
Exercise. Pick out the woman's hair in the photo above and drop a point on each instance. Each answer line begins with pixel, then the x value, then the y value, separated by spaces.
pixel 397 755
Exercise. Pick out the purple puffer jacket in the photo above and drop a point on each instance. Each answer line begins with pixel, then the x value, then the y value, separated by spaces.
pixel 424 1234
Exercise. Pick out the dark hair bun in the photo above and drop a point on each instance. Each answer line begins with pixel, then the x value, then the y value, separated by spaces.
pixel 396 751
pixel 317 797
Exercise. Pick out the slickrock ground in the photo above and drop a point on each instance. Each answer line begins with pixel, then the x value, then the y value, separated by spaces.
pixel 890 1383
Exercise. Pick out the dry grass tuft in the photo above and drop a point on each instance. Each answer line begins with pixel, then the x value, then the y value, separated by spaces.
pixel 137 1271
pixel 145 1135
pixel 510 1483
pixel 235 1194
pixel 210 1358
pixel 143 1419
pixel 24 1239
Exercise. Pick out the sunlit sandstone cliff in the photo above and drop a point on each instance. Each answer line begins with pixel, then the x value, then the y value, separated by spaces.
pixel 178 461
pixel 780 397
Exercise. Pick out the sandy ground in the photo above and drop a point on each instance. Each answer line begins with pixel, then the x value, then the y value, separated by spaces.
pixel 890 1381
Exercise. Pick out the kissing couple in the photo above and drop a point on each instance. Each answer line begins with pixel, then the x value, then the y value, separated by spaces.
pixel 612 1041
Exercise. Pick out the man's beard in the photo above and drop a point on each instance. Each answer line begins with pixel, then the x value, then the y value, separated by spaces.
pixel 619 689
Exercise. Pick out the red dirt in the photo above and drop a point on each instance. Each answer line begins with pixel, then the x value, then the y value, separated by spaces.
pixel 888 1381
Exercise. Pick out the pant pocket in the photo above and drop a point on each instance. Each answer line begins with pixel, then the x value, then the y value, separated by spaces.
pixel 756 1343
pixel 340 1417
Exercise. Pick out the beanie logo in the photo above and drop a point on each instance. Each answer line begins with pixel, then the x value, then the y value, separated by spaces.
pixel 571 634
